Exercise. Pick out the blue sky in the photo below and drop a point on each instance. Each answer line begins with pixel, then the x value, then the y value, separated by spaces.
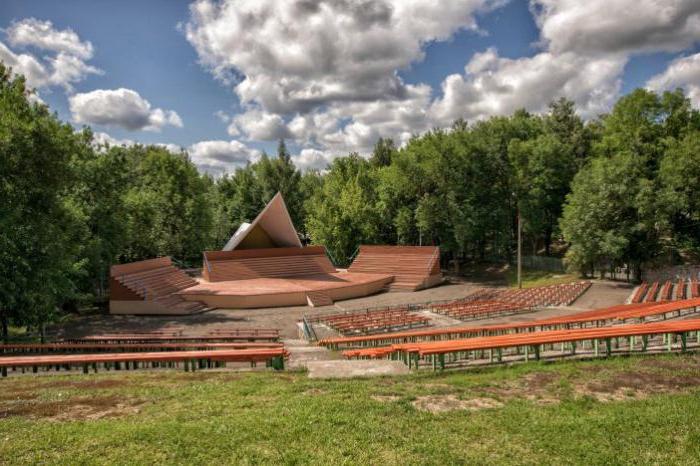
pixel 388 68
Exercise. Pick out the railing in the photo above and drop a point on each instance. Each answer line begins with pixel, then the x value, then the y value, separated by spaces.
pixel 353 256
pixel 332 259
pixel 308 328
pixel 207 264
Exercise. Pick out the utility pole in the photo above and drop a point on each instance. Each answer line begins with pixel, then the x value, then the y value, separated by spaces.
pixel 520 251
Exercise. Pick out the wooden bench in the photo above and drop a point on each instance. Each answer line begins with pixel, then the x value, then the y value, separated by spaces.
pixel 274 357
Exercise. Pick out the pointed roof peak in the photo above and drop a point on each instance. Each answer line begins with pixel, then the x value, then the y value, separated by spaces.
pixel 272 228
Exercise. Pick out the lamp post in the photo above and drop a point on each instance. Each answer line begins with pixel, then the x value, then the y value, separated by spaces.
pixel 520 250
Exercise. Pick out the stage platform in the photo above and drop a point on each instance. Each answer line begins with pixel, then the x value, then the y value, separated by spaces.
pixel 315 289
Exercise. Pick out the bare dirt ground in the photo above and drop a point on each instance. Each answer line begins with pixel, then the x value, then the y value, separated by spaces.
pixel 601 294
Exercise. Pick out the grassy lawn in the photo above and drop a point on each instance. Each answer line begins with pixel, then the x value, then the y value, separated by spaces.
pixel 532 278
pixel 641 410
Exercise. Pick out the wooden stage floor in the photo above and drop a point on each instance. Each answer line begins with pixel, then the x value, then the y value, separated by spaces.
pixel 285 291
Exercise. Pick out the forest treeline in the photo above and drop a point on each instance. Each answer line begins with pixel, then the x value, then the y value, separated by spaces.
pixel 622 189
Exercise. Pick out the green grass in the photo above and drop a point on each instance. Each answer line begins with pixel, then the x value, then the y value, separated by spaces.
pixel 545 417
pixel 532 278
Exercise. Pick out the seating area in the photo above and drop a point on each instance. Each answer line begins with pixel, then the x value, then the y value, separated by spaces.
pixel 668 291
pixel 372 321
pixel 610 316
pixel 273 357
pixel 265 263
pixel 475 310
pixel 155 349
pixel 551 295
pixel 669 336
pixel 151 287
pixel 413 267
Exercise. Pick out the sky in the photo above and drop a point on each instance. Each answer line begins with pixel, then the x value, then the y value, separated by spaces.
pixel 227 79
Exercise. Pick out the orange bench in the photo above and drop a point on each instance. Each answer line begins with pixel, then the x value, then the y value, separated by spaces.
pixel 191 359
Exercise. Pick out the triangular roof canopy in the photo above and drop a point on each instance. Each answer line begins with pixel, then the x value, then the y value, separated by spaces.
pixel 272 228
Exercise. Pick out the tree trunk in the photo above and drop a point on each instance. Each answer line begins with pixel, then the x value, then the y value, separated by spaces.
pixel 42 332
pixel 5 330
pixel 547 241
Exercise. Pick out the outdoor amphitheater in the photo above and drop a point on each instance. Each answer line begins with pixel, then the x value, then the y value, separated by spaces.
pixel 266 302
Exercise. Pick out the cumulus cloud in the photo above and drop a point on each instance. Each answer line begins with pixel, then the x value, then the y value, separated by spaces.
pixel 292 56
pixel 259 125
pixel 124 108
pixel 42 35
pixel 63 66
pixel 683 72
pixel 218 157
pixel 102 139
pixel 492 85
pixel 313 159
pixel 621 26
pixel 326 73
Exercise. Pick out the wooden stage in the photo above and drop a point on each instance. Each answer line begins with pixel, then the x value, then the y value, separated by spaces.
pixel 314 289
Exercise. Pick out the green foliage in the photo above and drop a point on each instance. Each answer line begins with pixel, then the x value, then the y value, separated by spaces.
pixel 623 208
pixel 342 212
pixel 39 244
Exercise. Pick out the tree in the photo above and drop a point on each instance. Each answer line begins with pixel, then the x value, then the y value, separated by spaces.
pixel 39 243
pixel 281 175
pixel 342 214
pixel 384 149
pixel 680 177
pixel 168 205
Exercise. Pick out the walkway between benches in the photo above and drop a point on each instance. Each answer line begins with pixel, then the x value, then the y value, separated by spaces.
pixel 323 363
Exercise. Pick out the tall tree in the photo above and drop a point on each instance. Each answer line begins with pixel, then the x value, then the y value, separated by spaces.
pixel 39 243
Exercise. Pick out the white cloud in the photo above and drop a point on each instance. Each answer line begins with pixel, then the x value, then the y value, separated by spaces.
pixel 101 139
pixel 325 73
pixel 64 66
pixel 683 72
pixel 41 34
pixel 259 125
pixel 172 148
pixel 492 85
pixel 619 26
pixel 294 56
pixel 309 159
pixel 120 107
pixel 218 157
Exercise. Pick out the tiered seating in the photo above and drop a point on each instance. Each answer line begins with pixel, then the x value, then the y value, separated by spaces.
pixel 681 289
pixel 155 280
pixel 372 321
pixel 641 292
pixel 461 351
pixel 651 294
pixel 158 348
pixel 274 357
pixel 669 291
pixel 599 317
pixel 666 293
pixel 69 348
pixel 215 336
pixel 479 309
pixel 551 295
pixel 268 263
pixel 413 267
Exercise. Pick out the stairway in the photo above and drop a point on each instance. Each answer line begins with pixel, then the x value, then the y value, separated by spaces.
pixel 318 299
pixel 413 268
pixel 161 285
